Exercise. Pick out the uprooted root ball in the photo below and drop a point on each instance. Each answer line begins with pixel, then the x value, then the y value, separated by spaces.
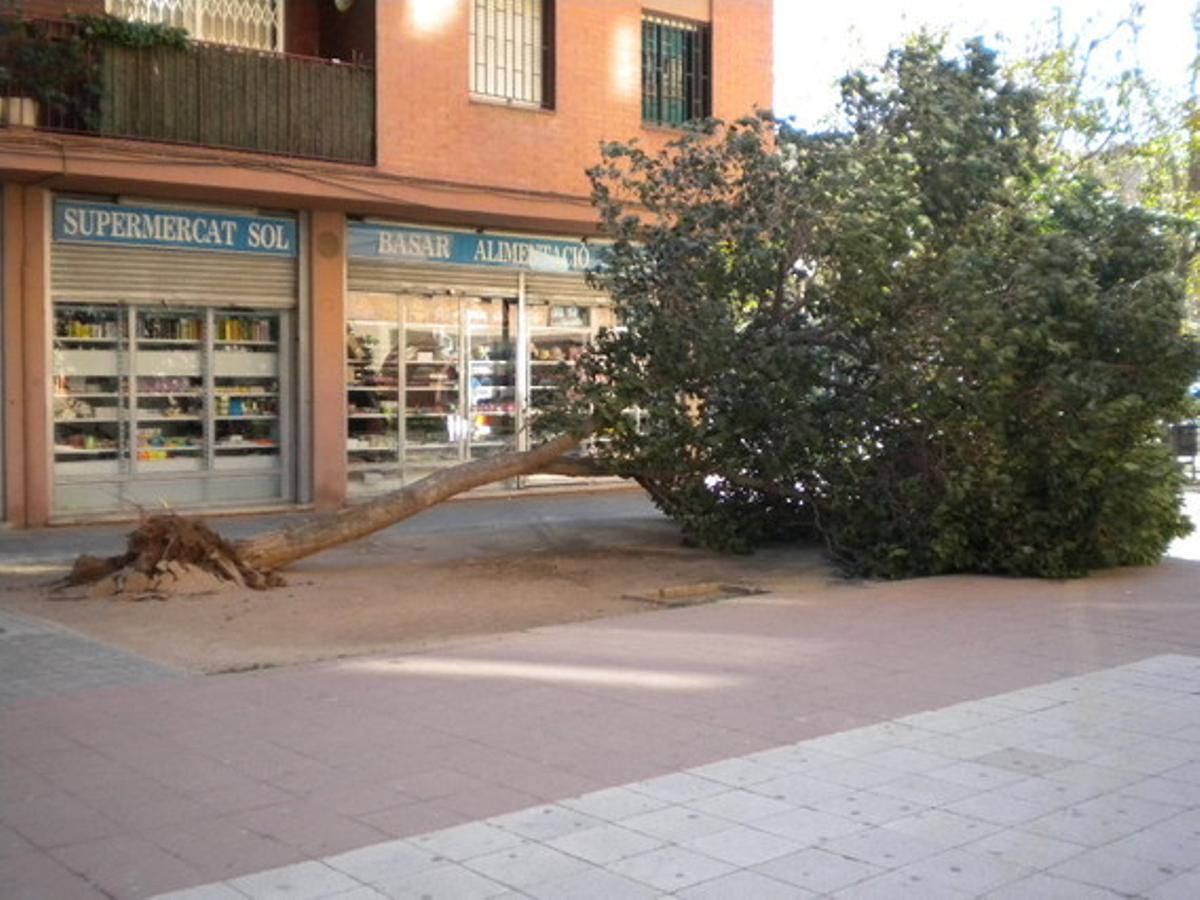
pixel 169 555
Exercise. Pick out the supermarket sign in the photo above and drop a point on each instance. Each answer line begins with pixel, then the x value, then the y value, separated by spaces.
pixel 83 222
pixel 464 248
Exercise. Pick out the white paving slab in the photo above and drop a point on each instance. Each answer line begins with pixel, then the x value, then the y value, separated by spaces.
pixel 1084 787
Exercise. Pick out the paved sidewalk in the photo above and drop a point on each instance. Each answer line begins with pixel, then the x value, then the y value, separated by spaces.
pixel 137 790
pixel 39 659
pixel 1082 787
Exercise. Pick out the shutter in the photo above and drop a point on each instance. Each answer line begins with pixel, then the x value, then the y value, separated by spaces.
pixel 93 272
pixel 385 276
pixel 540 287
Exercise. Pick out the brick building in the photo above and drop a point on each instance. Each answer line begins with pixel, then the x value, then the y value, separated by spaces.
pixel 326 248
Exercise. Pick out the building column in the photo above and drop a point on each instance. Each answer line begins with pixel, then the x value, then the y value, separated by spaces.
pixel 26 263
pixel 14 356
pixel 328 355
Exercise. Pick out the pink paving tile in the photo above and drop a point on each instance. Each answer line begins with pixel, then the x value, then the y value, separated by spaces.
pixel 489 801
pixel 36 876
pixel 241 797
pixel 12 844
pixel 58 820
pixel 414 818
pixel 127 867
pixel 219 849
pixel 309 827
pixel 429 784
pixel 353 797
pixel 22 739
pixel 19 782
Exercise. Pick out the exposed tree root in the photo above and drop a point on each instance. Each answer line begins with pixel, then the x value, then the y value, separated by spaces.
pixel 169 554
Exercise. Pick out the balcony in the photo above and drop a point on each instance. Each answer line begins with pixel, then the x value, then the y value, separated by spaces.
pixel 210 95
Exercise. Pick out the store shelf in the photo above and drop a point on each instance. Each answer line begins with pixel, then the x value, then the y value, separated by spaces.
pixel 253 418
pixel 245 343
pixel 148 448
pixel 371 415
pixel 87 340
pixel 374 388
pixel 373 467
pixel 177 394
pixel 73 451
pixel 246 445
pixel 432 362
pixel 141 417
pixel 171 342
pixel 391 449
pixel 225 392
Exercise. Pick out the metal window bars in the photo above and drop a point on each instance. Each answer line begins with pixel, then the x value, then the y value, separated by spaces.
pixel 256 24
pixel 676 82
pixel 512 48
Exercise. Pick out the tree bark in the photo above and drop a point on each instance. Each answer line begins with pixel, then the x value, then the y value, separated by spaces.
pixel 277 549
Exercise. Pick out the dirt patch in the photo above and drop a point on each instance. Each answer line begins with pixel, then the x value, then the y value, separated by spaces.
pixel 404 593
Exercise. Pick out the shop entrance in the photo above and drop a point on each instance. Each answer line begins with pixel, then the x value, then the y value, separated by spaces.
pixel 432 381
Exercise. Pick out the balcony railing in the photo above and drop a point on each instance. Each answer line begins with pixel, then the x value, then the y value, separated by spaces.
pixel 218 96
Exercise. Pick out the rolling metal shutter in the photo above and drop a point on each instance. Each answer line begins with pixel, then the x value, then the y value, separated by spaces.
pixel 383 276
pixel 375 276
pixel 93 272
pixel 573 288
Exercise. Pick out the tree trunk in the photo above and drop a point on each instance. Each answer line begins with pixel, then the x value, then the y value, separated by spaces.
pixel 277 549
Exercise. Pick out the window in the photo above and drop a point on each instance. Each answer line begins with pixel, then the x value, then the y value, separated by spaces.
pixel 676 87
pixel 257 24
pixel 512 51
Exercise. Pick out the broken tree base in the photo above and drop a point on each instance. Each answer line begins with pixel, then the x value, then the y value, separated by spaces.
pixel 169 555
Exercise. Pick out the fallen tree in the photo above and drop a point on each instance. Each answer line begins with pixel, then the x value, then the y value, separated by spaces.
pixel 171 553
pixel 916 340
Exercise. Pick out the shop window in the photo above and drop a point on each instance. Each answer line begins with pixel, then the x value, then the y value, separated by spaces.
pixel 676 71
pixel 157 404
pixel 512 51
pixel 257 24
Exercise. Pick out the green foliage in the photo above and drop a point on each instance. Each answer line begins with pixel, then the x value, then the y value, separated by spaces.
pixel 916 340
pixel 58 68
pixel 57 72
pixel 135 35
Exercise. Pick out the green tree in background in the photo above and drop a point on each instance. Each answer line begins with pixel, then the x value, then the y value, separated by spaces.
pixel 1137 138
pixel 920 339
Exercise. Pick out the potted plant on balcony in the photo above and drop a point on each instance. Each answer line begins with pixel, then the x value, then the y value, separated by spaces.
pixel 43 76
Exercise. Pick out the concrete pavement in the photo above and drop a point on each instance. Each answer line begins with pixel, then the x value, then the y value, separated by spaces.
pixel 1025 716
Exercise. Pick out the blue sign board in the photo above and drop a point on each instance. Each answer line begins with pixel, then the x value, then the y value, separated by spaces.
pixel 84 222
pixel 462 248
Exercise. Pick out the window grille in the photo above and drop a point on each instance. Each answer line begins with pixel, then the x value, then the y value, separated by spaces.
pixel 257 24
pixel 512 51
pixel 676 71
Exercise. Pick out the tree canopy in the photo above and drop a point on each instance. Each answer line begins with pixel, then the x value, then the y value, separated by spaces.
pixel 917 339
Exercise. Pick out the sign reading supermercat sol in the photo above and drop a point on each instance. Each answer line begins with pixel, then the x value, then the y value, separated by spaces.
pixel 462 248
pixel 85 222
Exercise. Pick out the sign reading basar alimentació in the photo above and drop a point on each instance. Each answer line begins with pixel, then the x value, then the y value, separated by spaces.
pixel 444 246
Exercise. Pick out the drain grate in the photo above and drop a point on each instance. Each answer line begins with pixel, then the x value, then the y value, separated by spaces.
pixel 695 594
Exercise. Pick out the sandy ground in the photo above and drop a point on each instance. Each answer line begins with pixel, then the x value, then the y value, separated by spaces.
pixel 410 588
pixel 460 571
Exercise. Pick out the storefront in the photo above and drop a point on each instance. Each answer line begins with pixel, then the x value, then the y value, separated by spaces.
pixel 453 340
pixel 174 364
